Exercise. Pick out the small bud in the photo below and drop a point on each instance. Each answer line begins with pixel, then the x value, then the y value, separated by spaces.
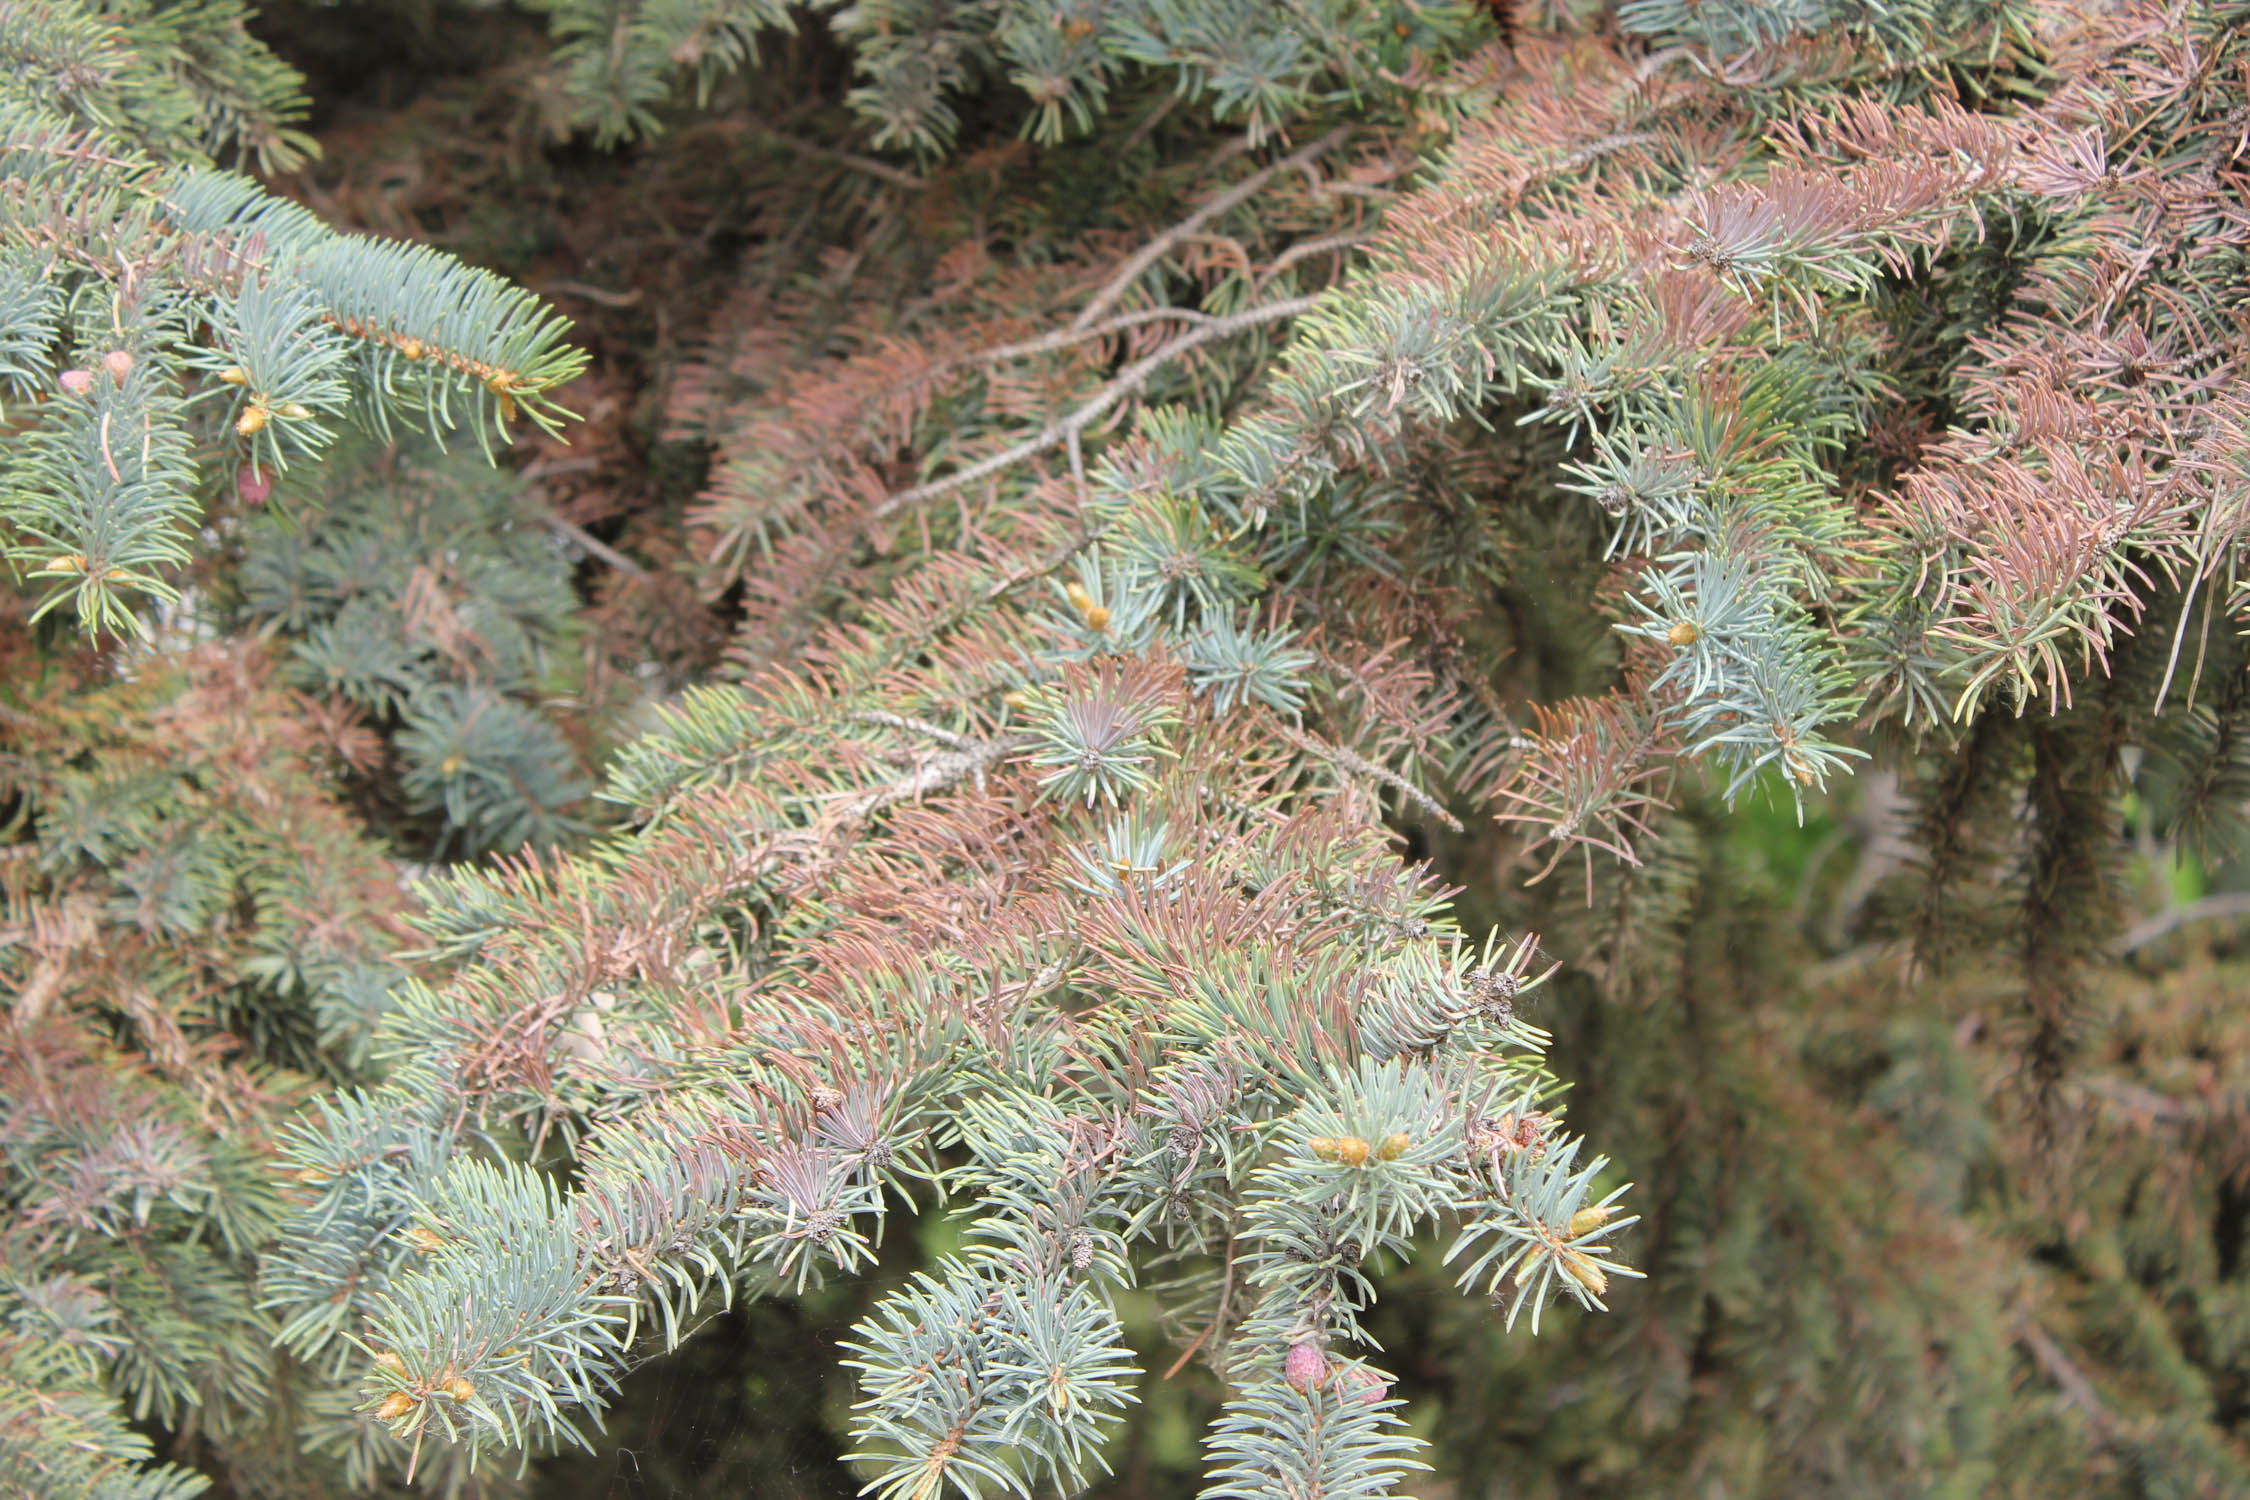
pixel 1589 1219
pixel 1352 1151
pixel 69 562
pixel 428 1241
pixel 411 348
pixel 825 1098
pixel 252 421
pixel 1304 1367
pixel 1324 1148
pixel 460 1389
pixel 1394 1146
pixel 1016 698
pixel 451 765
pixel 252 484
pixel 391 1362
pixel 77 382
pixel 397 1404
pixel 1095 615
pixel 507 407
pixel 235 375
pixel 313 1176
pixel 119 364
pixel 1582 1270
pixel 1686 633
pixel 296 411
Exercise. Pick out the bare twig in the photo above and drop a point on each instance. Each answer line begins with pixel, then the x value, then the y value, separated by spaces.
pixel 541 468
pixel 1306 251
pixel 915 726
pixel 1155 250
pixel 1127 381
pixel 594 545
pixel 2058 1367
pixel 1359 765
pixel 1218 1315
pixel 1149 122
pixel 1064 338
pixel 591 293
pixel 2147 931
pixel 882 171
pixel 930 774
pixel 2137 1100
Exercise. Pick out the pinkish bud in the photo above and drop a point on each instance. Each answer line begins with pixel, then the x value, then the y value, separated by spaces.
pixel 253 484
pixel 78 382
pixel 119 364
pixel 1304 1366
pixel 1361 1384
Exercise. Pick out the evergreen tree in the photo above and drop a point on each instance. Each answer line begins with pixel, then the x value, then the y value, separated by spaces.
pixel 1764 475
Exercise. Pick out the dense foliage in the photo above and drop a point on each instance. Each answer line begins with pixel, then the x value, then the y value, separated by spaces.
pixel 1127 628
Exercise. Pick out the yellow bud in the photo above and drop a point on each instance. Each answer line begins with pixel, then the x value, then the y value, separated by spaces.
pixel 1686 633
pixel 296 411
pixel 1583 1271
pixel 451 765
pixel 1394 1146
pixel 1352 1151
pixel 314 1176
pixel 1095 615
pixel 411 348
pixel 252 421
pixel 1324 1148
pixel 1589 1219
pixel 391 1362
pixel 460 1389
pixel 424 1240
pixel 397 1404
pixel 119 364
pixel 235 375
pixel 1016 698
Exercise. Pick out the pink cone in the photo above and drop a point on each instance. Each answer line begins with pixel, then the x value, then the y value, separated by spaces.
pixel 1304 1366
pixel 1361 1384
